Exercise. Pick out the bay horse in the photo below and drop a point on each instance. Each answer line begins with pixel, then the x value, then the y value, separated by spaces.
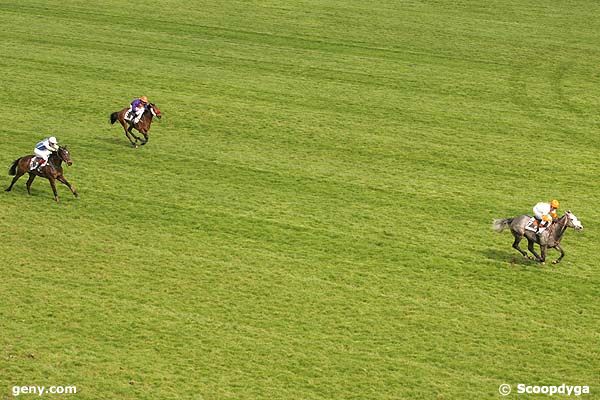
pixel 550 238
pixel 52 170
pixel 142 126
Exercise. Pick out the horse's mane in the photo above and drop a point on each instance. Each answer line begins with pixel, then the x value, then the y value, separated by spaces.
pixel 56 154
pixel 554 226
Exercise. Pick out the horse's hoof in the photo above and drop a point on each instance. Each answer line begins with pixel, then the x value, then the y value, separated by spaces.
pixel 555 262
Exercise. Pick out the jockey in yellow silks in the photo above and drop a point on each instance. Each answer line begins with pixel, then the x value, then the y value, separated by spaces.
pixel 545 213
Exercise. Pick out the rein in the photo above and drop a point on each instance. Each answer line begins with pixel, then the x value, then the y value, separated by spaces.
pixel 56 155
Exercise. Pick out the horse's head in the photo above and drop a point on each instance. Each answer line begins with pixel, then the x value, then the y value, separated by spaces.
pixel 63 154
pixel 573 221
pixel 154 110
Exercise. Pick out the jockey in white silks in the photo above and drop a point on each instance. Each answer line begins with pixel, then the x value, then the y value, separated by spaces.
pixel 545 213
pixel 43 150
pixel 136 109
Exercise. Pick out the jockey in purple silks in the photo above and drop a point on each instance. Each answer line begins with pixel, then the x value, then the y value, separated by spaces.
pixel 136 109
pixel 43 150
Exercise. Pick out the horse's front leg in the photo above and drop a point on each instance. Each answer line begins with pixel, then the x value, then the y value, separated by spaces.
pixel 562 254
pixel 530 244
pixel 53 186
pixel 15 179
pixel 63 180
pixel 145 137
pixel 544 250
pixel 29 182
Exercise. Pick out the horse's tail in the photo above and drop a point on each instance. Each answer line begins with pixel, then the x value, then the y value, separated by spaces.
pixel 114 117
pixel 13 168
pixel 499 224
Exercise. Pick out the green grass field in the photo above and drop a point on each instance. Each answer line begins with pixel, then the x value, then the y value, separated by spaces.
pixel 311 219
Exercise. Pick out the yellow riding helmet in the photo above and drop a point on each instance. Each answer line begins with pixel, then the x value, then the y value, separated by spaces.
pixel 144 99
pixel 554 203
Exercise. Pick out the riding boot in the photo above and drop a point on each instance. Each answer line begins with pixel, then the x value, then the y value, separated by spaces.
pixel 541 228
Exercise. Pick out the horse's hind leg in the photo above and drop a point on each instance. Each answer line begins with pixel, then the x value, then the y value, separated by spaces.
pixel 516 246
pixel 532 250
pixel 130 130
pixel 130 140
pixel 29 182
pixel 127 130
pixel 15 179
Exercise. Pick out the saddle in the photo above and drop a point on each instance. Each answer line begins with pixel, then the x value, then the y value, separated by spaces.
pixel 130 115
pixel 532 225
pixel 35 163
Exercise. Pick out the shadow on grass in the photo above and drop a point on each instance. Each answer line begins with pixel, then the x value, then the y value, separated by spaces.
pixel 40 194
pixel 114 140
pixel 508 256
pixel 21 192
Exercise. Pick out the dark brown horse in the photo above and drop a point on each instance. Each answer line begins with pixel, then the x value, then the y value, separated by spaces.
pixel 52 171
pixel 550 238
pixel 142 126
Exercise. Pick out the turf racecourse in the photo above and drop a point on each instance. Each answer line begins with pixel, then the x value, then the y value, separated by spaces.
pixel 311 218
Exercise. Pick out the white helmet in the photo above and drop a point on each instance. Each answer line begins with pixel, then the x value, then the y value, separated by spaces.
pixel 52 140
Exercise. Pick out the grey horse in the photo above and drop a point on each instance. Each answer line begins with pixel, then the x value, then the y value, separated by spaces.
pixel 550 238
